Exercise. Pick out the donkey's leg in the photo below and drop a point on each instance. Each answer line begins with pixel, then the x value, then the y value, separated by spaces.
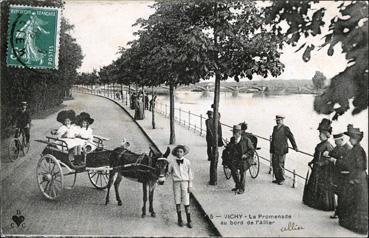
pixel 151 199
pixel 116 187
pixel 144 187
pixel 111 177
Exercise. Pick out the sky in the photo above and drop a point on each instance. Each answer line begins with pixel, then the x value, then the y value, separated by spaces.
pixel 101 27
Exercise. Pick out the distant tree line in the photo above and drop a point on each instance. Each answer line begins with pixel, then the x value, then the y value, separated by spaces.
pixel 42 89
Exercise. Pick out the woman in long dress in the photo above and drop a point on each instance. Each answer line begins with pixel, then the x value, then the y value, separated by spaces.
pixel 139 108
pixel 318 192
pixel 353 213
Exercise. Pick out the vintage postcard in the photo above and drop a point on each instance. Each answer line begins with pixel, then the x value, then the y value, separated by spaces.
pixel 184 118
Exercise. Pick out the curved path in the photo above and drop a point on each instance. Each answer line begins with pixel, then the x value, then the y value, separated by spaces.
pixel 81 211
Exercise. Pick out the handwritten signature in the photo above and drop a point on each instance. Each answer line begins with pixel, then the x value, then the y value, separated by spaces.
pixel 292 227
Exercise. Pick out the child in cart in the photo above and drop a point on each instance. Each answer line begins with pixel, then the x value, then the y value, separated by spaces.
pixel 68 133
pixel 83 120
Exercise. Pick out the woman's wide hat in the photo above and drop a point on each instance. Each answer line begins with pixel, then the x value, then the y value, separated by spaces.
pixel 183 147
pixel 325 125
pixel 62 115
pixel 354 132
pixel 84 116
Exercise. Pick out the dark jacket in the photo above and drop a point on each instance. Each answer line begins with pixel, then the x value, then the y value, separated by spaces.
pixel 243 147
pixel 21 119
pixel 210 132
pixel 339 153
pixel 357 163
pixel 279 143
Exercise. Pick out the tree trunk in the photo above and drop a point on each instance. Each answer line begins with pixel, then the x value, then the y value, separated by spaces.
pixel 152 108
pixel 214 159
pixel 172 138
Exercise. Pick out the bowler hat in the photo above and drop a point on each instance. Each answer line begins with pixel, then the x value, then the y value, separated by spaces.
pixel 209 112
pixel 236 128
pixel 354 132
pixel 62 115
pixel 325 125
pixel 183 147
pixel 84 116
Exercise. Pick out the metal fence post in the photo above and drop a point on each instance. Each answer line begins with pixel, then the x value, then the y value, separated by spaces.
pixel 294 179
pixel 200 124
pixel 189 119
pixel 180 115
pixel 271 158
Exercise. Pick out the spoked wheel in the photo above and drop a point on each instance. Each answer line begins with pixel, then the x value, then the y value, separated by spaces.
pixel 50 177
pixel 99 178
pixel 227 172
pixel 255 166
pixel 13 149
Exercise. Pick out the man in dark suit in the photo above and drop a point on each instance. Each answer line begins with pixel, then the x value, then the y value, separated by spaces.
pixel 241 149
pixel 279 148
pixel 338 153
pixel 22 121
pixel 210 134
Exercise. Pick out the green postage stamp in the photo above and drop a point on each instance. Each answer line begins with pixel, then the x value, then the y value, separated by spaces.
pixel 33 37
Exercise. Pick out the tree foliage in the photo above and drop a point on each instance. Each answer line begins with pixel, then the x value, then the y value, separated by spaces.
pixel 41 88
pixel 319 80
pixel 348 29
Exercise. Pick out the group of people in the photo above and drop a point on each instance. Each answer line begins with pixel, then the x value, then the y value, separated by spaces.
pixel 140 102
pixel 338 180
pixel 76 132
pixel 340 172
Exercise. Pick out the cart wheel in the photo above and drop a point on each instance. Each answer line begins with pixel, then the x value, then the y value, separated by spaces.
pixel 255 166
pixel 227 172
pixel 99 179
pixel 49 176
pixel 13 149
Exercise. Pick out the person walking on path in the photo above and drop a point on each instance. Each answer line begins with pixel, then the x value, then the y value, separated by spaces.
pixel 279 148
pixel 180 170
pixel 210 137
pixel 338 153
pixel 353 213
pixel 146 102
pixel 318 192
pixel 22 121
pixel 139 108
pixel 241 150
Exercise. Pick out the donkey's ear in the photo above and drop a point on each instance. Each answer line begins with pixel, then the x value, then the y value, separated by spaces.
pixel 167 152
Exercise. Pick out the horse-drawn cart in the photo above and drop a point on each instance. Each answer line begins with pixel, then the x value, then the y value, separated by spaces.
pixel 56 162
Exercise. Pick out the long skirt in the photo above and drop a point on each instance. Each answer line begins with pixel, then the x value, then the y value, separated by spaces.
pixel 353 212
pixel 318 191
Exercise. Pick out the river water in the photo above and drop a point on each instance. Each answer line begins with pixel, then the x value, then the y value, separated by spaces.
pixel 259 113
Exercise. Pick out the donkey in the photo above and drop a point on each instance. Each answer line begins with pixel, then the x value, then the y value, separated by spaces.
pixel 146 169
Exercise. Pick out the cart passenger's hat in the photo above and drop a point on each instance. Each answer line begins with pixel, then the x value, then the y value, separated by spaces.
pixel 279 116
pixel 243 126
pixel 236 128
pixel 354 132
pixel 84 116
pixel 338 136
pixel 183 147
pixel 62 115
pixel 325 125
pixel 209 112
pixel 24 103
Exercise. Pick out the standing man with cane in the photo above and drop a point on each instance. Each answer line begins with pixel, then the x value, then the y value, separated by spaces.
pixel 279 148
